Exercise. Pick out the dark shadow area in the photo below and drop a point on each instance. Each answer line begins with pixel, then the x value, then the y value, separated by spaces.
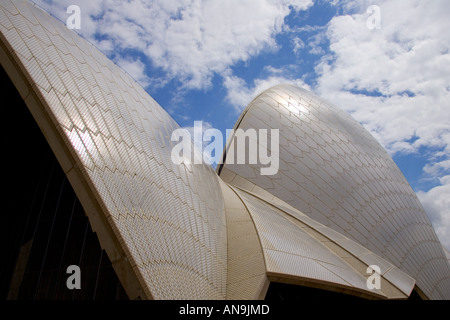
pixel 43 228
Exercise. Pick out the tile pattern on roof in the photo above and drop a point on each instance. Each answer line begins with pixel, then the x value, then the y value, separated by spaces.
pixel 334 171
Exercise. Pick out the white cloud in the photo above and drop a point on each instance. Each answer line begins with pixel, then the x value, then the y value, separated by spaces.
pixel 315 43
pixel 437 204
pixel 136 69
pixel 298 44
pixel 407 62
pixel 189 39
pixel 406 67
pixel 436 168
pixel 240 94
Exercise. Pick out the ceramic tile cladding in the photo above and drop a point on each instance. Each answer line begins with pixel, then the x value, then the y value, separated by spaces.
pixel 334 171
pixel 162 214
pixel 337 203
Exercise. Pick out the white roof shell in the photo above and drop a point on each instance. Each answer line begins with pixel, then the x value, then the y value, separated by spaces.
pixel 337 205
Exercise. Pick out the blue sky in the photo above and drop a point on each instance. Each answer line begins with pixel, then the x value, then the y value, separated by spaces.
pixel 206 60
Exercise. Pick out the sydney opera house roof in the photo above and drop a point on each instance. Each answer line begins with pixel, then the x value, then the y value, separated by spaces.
pixel 337 205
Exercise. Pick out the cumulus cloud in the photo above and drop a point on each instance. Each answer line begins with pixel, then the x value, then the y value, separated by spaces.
pixel 240 94
pixel 190 40
pixel 437 204
pixel 395 81
pixel 136 69
pixel 298 44
pixel 436 168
